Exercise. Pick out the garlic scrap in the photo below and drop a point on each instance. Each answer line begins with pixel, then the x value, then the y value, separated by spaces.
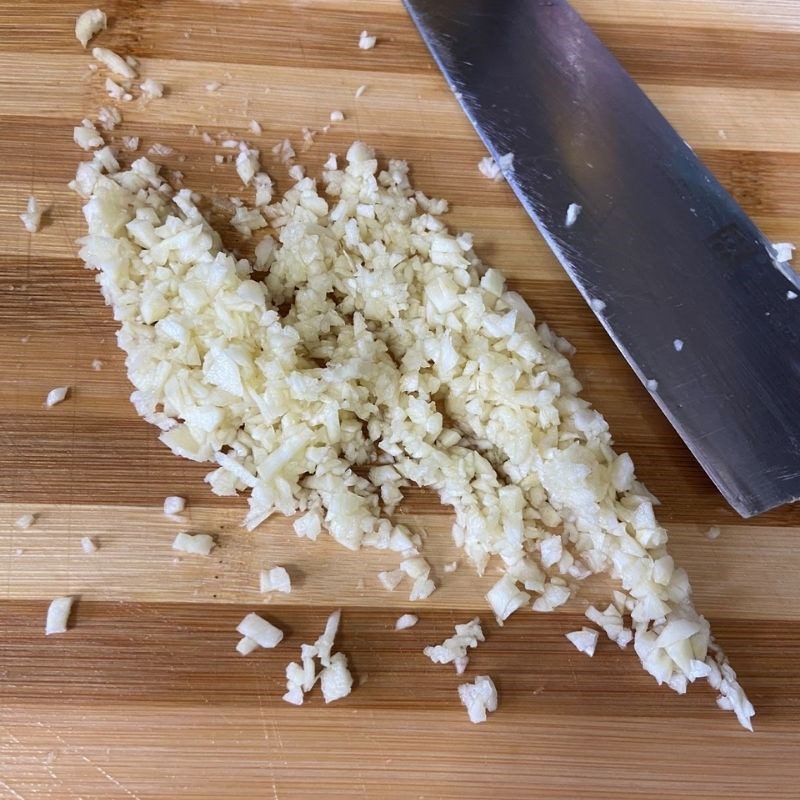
pixel 89 24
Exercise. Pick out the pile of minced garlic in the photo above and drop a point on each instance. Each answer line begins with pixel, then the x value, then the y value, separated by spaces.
pixel 379 340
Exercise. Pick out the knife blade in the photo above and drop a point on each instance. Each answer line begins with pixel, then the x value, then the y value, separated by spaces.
pixel 683 281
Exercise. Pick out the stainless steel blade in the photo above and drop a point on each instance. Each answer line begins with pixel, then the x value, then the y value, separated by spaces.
pixel 660 250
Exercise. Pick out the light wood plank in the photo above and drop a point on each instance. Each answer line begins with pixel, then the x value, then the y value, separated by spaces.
pixel 744 15
pixel 135 561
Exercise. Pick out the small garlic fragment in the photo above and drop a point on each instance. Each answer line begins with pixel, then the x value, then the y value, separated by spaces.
pixel 89 24
pixel 366 42
pixel 56 396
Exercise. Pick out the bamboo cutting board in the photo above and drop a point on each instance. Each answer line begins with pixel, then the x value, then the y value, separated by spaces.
pixel 145 696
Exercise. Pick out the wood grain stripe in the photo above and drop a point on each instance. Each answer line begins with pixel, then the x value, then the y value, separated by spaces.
pixel 527 653
pixel 704 56
pixel 281 33
pixel 756 118
pixel 47 560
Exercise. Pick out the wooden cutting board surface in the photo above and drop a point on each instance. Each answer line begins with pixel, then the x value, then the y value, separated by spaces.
pixel 145 697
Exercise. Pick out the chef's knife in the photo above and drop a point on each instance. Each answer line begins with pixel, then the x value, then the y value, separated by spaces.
pixel 687 286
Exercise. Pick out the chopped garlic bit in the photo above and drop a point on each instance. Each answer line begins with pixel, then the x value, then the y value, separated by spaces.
pixel 130 143
pixel 609 620
pixel 479 697
pixel 151 89
pixel 25 521
pixel 89 172
pixel 790 295
pixel 391 580
pixel 406 621
pixel 625 638
pixel 373 329
pixel 487 166
pixel 494 170
pixel 86 135
pixel 598 305
pixel 784 251
pixel 247 164
pixel 32 216
pixel 652 385
pixel 551 550
pixel 255 127
pixel 247 220
pixel 677 344
pixel 199 544
pixel 308 137
pixel 284 151
pixel 88 545
pixel 174 505
pixel 246 645
pixel 294 688
pixel 337 116
pixel 114 62
pixel 309 528
pixel 324 644
pixel 713 533
pixel 505 598
pixel 585 640
pixel 275 580
pixel 263 186
pixel 96 364
pixel 56 396
pixel 213 86
pixel 506 162
pixel 361 89
pixel 573 210
pixel 366 42
pixel 89 24
pixel 58 615
pixel 419 570
pixel 108 117
pixel 335 678
pixel 158 149
pixel 263 633
pixel 720 675
pixel 454 649
pixel 553 595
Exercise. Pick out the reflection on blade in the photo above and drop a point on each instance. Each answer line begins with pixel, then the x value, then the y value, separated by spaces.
pixel 659 249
